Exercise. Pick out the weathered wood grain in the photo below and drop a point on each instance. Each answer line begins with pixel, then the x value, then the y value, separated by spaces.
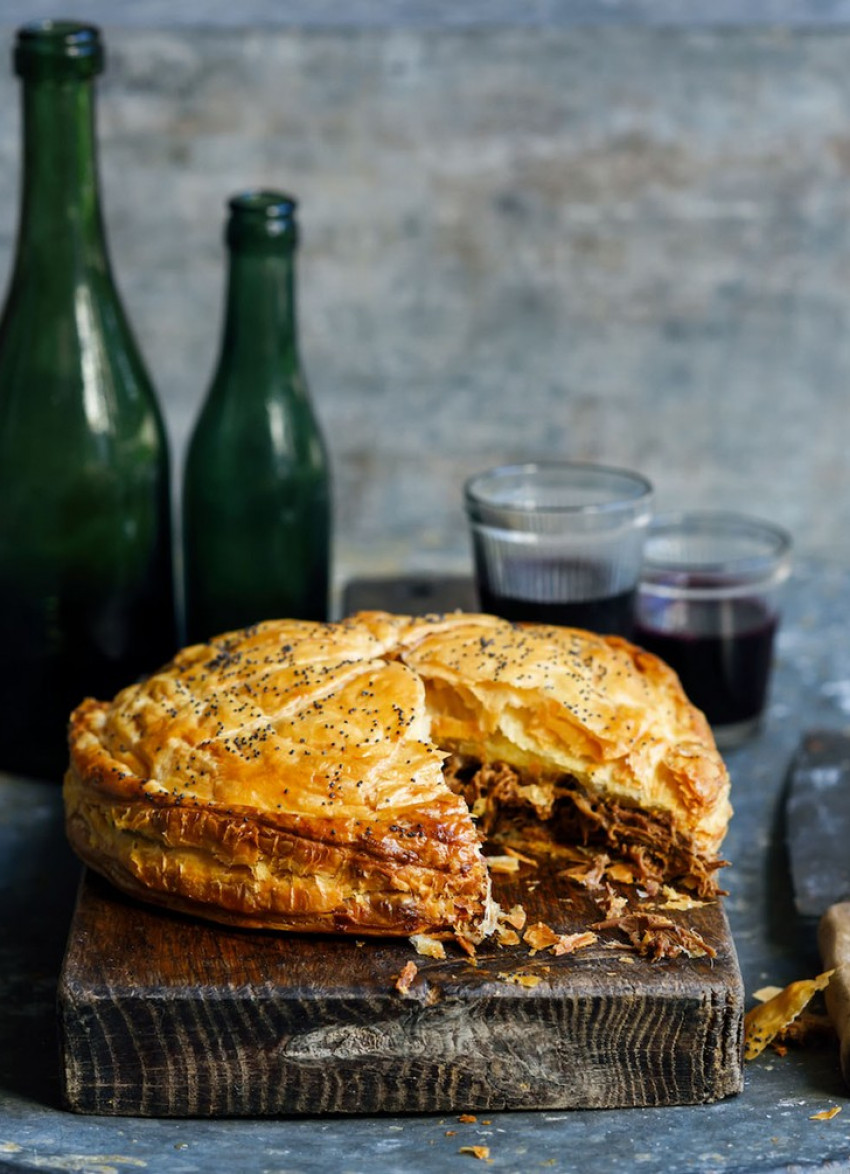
pixel 163 1015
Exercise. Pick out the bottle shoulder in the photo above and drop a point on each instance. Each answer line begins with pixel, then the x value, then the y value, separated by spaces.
pixel 73 421
pixel 85 345
pixel 259 457
pixel 246 420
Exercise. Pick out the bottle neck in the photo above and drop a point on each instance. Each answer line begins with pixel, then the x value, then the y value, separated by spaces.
pixel 61 226
pixel 260 329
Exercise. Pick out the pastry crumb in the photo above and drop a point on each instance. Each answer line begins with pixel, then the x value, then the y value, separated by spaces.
pixel 762 1024
pixel 518 978
pixel 502 864
pixel 542 937
pixel 656 936
pixel 427 946
pixel 826 1114
pixel 407 977
pixel 676 900
pixel 515 916
pixel 568 943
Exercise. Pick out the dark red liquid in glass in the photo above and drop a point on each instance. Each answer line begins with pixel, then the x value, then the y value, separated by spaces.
pixel 610 615
pixel 724 670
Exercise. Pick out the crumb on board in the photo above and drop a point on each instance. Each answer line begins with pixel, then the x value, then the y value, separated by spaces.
pixel 826 1114
pixel 427 946
pixel 656 936
pixel 539 936
pixel 673 899
pixel 407 977
pixel 509 921
pixel 514 916
pixel 520 978
pixel 764 1022
pixel 502 864
pixel 542 937
pixel 611 903
pixel 476 1151
pixel 568 943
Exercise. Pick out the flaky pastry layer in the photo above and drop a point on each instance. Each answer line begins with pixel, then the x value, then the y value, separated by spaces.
pixel 291 775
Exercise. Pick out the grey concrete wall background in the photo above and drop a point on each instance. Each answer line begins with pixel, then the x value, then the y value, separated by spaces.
pixel 587 232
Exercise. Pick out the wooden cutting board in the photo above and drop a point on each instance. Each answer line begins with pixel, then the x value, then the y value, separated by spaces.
pixel 162 1015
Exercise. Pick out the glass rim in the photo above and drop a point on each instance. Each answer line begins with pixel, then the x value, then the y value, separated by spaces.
pixel 642 488
pixel 735 574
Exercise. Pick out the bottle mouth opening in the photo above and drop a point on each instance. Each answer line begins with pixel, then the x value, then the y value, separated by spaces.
pixel 61 48
pixel 265 202
pixel 260 216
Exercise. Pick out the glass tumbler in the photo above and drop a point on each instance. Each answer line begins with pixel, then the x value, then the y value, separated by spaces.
pixel 709 605
pixel 559 542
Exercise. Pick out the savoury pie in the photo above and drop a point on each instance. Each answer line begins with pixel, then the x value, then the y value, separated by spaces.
pixel 343 777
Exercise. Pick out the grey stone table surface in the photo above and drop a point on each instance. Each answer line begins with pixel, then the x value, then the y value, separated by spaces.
pixel 768 1127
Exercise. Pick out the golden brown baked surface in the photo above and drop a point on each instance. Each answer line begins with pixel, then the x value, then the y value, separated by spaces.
pixel 293 775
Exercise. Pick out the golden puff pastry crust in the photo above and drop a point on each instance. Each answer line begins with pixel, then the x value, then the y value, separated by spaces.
pixel 317 777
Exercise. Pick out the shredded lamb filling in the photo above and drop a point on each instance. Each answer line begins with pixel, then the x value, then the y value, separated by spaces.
pixel 503 800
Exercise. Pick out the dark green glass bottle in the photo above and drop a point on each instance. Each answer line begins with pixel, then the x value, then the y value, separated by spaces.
pixel 86 588
pixel 256 493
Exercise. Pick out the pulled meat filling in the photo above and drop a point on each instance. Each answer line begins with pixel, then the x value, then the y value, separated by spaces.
pixel 503 799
